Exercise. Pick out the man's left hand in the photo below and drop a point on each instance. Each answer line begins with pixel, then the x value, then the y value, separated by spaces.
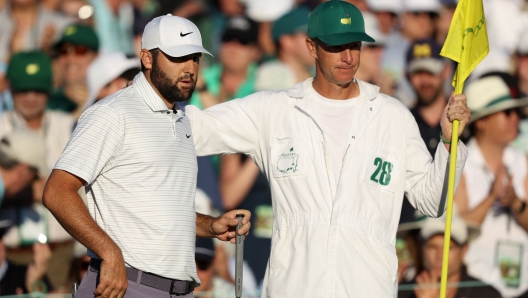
pixel 456 109
pixel 224 226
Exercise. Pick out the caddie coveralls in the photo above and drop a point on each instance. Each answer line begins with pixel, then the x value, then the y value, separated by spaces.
pixel 330 241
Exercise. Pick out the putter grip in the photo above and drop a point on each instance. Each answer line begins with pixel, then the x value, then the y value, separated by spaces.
pixel 239 257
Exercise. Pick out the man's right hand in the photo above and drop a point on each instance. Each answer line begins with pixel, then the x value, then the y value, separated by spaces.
pixel 113 280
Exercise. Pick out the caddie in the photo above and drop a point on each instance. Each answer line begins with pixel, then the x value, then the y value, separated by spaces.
pixel 339 156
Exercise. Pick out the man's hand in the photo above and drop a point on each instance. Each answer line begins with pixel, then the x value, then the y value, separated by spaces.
pixel 113 280
pixel 222 227
pixel 428 286
pixel 37 269
pixel 456 109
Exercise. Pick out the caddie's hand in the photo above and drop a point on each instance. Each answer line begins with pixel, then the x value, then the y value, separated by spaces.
pixel 427 285
pixel 224 227
pixel 113 280
pixel 456 109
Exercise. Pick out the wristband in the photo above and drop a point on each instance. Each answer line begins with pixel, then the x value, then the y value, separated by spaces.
pixel 444 140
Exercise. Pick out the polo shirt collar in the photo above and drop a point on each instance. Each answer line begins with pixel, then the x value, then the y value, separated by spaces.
pixel 151 98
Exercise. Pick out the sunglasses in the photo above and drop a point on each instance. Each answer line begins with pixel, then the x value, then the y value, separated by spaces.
pixel 73 49
pixel 203 264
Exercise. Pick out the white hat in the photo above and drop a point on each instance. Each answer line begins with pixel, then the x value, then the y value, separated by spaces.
pixel 490 95
pixel 103 70
pixel 460 231
pixel 174 36
pixel 26 147
pixel 373 30
pixel 269 10
pixel 394 6
pixel 421 5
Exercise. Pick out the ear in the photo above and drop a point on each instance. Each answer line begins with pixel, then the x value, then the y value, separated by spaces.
pixel 146 59
pixel 312 47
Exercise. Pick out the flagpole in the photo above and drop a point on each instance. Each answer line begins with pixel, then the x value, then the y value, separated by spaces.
pixel 450 195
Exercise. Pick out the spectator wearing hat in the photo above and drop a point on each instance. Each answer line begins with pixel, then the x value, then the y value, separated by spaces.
pixel 109 73
pixel 427 282
pixel 28 25
pixel 76 50
pixel 386 11
pixel 294 63
pixel 418 23
pixel 521 61
pixel 493 188
pixel 30 80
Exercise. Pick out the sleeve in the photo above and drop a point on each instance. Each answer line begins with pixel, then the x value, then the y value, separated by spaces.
pixel 227 128
pixel 94 144
pixel 426 179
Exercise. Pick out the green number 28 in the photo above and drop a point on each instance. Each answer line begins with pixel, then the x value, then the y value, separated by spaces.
pixel 386 168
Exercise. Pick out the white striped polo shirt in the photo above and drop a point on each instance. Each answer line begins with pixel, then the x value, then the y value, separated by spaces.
pixel 138 160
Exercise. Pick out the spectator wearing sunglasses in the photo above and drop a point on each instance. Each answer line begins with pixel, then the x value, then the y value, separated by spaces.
pixel 75 51
pixel 493 188
pixel 29 75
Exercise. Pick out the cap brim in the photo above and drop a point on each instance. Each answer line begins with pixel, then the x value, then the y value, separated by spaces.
pixel 184 50
pixel 344 38
pixel 434 66
pixel 503 105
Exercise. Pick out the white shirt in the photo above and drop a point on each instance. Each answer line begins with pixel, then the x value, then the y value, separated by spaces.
pixel 138 160
pixel 334 117
pixel 330 241
pixel 483 258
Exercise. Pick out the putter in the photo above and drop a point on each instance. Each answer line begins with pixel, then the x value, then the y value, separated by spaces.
pixel 74 289
pixel 239 257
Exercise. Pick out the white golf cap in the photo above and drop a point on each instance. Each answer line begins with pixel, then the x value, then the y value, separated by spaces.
pixel 269 10
pixel 25 146
pixel 174 36
pixel 422 6
pixel 394 6
pixel 103 70
pixel 373 30
pixel 461 232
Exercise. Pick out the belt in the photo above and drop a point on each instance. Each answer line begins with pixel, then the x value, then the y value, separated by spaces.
pixel 172 286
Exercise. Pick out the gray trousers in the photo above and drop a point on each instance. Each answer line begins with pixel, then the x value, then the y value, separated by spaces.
pixel 135 289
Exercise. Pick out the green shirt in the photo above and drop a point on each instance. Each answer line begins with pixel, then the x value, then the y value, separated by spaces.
pixel 59 101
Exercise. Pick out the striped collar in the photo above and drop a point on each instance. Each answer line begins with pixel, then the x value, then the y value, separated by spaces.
pixel 145 90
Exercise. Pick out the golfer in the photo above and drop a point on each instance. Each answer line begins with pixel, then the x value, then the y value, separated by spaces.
pixel 339 156
pixel 134 153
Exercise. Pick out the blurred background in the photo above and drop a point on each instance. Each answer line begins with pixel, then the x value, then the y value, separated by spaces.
pixel 58 57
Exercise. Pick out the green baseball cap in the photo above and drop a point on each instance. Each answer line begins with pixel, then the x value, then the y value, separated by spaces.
pixel 295 21
pixel 30 71
pixel 336 23
pixel 82 35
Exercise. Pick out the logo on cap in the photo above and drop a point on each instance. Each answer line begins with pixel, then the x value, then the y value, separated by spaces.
pixel 32 68
pixel 70 30
pixel 346 21
pixel 422 50
pixel 184 34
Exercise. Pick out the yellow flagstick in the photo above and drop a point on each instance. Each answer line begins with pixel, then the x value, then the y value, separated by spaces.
pixel 467 44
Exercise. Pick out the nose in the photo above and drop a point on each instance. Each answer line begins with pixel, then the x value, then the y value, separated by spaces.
pixel 190 67
pixel 346 56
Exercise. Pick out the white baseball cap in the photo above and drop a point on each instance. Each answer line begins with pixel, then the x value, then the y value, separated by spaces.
pixel 394 6
pixel 103 70
pixel 269 10
pixel 373 30
pixel 461 232
pixel 422 5
pixel 26 147
pixel 174 36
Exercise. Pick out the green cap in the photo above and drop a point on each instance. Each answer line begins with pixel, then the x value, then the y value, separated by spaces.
pixel 82 35
pixel 295 21
pixel 30 71
pixel 336 23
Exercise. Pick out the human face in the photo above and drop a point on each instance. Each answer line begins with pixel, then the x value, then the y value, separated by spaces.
pixel 30 104
pixel 73 62
pixel 298 41
pixel 237 57
pixel 427 87
pixel 418 25
pixel 501 127
pixel 433 254
pixel 337 64
pixel 386 21
pixel 175 77
pixel 371 59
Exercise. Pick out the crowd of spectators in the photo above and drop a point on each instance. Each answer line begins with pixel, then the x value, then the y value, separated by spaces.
pixel 58 57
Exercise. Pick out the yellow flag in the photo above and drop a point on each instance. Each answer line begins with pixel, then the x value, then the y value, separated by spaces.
pixel 467 40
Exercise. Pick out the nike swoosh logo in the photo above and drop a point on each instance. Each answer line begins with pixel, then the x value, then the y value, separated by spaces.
pixel 183 35
pixel 188 136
